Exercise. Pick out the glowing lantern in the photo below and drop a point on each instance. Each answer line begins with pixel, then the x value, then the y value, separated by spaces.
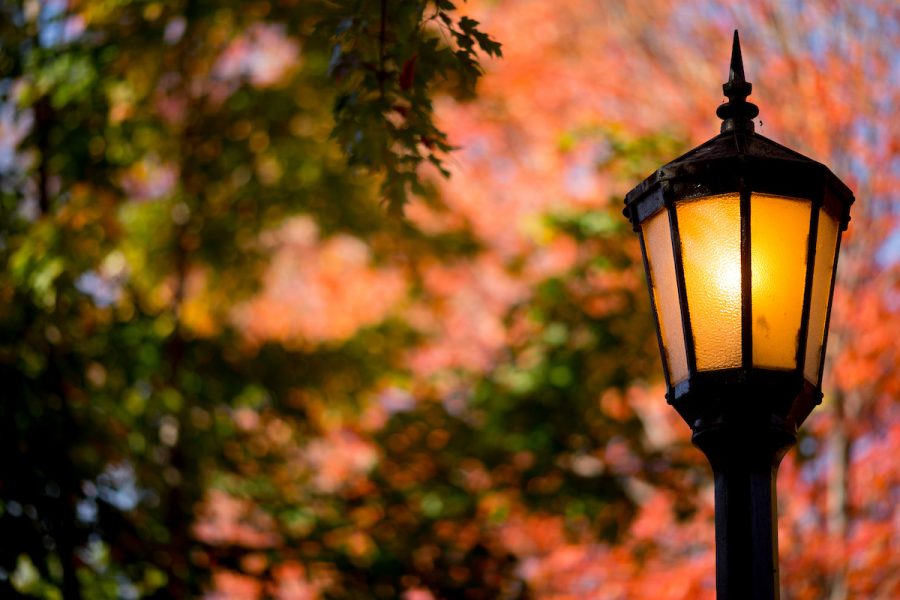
pixel 740 239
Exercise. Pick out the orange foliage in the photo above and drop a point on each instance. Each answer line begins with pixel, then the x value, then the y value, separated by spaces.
pixel 575 77
pixel 318 291
pixel 224 519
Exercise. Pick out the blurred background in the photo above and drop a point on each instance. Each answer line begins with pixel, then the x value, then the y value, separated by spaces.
pixel 231 369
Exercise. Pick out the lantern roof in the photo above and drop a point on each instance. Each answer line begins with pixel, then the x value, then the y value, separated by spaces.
pixel 739 153
pixel 730 145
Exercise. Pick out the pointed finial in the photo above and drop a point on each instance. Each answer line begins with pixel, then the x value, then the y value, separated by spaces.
pixel 737 61
pixel 737 113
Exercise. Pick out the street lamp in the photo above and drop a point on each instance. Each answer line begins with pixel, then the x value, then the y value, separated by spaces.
pixel 740 238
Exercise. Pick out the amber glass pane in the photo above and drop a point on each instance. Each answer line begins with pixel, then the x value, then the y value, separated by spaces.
pixel 710 231
pixel 826 243
pixel 779 238
pixel 658 242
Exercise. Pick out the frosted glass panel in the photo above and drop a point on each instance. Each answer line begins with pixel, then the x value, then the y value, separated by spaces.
pixel 826 243
pixel 779 238
pixel 711 253
pixel 658 243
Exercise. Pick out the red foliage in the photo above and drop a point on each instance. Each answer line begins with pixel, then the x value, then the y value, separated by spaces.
pixel 578 77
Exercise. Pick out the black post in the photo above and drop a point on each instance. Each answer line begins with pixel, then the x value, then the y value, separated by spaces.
pixel 745 463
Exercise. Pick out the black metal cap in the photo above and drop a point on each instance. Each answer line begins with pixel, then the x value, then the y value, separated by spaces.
pixel 737 114
pixel 731 159
pixel 738 156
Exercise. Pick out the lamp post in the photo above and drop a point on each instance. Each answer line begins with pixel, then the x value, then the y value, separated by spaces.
pixel 740 239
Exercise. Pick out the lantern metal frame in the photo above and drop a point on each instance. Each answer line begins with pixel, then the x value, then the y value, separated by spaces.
pixel 745 418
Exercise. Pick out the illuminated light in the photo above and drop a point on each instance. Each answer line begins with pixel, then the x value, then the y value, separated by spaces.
pixel 727 278
pixel 826 246
pixel 710 235
pixel 710 231
pixel 779 235
pixel 658 241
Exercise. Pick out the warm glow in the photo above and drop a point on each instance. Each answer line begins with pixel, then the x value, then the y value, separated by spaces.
pixel 658 244
pixel 826 243
pixel 727 277
pixel 710 234
pixel 779 235
pixel 710 230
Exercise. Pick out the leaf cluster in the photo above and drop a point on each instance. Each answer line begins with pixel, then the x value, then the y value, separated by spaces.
pixel 387 61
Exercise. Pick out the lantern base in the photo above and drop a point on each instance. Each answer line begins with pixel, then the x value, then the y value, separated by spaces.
pixel 757 394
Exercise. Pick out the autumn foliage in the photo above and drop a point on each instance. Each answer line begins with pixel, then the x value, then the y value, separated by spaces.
pixel 230 370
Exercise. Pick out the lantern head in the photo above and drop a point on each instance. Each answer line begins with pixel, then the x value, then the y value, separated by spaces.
pixel 740 238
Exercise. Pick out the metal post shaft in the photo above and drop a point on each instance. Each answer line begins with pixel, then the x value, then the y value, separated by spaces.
pixel 745 465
